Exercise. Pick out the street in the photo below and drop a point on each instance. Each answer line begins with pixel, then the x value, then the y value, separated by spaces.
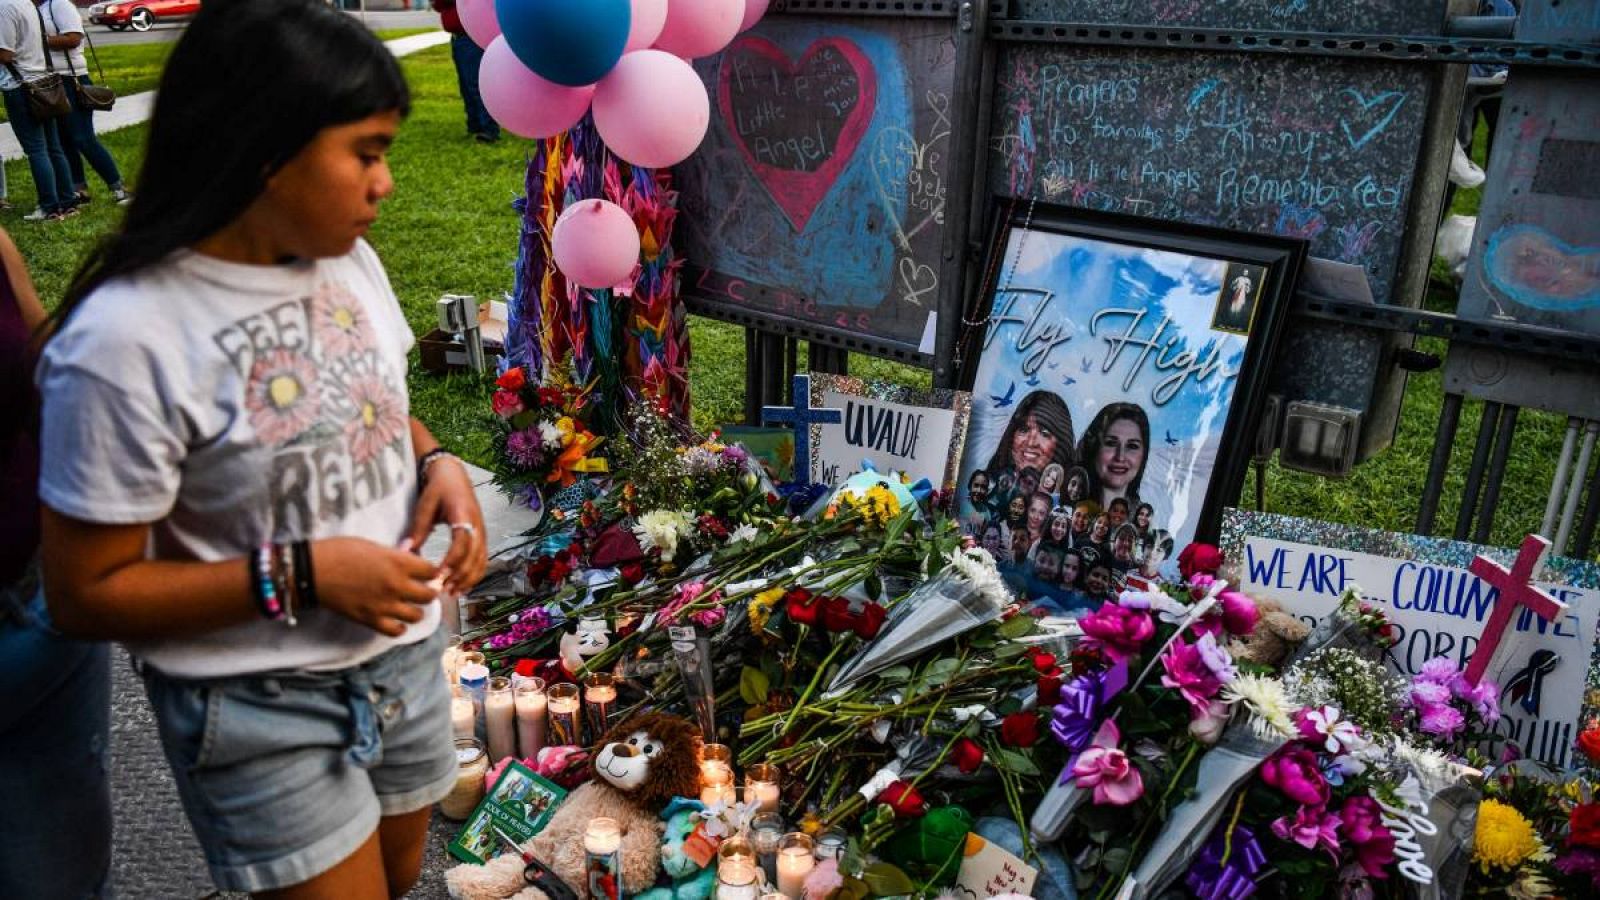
pixel 169 31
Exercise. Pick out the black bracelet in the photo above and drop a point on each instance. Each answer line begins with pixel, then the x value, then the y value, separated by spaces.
pixel 305 584
pixel 426 460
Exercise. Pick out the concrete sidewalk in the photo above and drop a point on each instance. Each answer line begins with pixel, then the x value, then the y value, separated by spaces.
pixel 135 109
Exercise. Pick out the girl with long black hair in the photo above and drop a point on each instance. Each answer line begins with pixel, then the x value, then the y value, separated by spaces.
pixel 232 482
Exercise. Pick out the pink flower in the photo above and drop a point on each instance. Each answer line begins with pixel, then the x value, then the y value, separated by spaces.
pixel 506 404
pixel 683 595
pixel 709 618
pixel 1293 770
pixel 1311 827
pixel 1207 727
pixel 1200 586
pixel 1429 693
pixel 1439 670
pixel 380 419
pixel 1485 699
pixel 1364 828
pixel 1186 672
pixel 1323 726
pixel 1216 658
pixel 1117 631
pixel 1442 720
pixel 1239 613
pixel 1107 770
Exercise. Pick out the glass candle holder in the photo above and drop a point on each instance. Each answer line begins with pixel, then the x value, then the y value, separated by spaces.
pixel 831 844
pixel 450 659
pixel 716 774
pixel 562 715
pixel 471 657
pixel 796 859
pixel 599 699
pixel 472 764
pixel 766 830
pixel 499 719
pixel 738 879
pixel 761 781
pixel 463 713
pixel 737 847
pixel 602 852
pixel 528 698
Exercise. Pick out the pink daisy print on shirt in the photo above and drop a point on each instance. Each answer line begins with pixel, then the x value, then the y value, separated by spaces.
pixel 281 396
pixel 339 321
pixel 379 418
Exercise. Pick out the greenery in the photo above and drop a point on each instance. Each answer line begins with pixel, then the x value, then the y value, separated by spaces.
pixel 450 227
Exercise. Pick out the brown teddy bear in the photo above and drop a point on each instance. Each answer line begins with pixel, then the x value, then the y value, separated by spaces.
pixel 642 763
pixel 1277 633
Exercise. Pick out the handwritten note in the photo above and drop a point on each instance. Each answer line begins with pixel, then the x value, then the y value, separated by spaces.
pixel 988 870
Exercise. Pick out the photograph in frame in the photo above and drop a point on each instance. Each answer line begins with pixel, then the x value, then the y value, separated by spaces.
pixel 1117 376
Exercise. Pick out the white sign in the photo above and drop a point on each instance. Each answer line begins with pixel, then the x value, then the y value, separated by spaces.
pixel 989 870
pixel 1437 605
pixel 894 428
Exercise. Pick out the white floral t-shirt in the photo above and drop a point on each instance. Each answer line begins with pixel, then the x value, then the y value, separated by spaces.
pixel 229 404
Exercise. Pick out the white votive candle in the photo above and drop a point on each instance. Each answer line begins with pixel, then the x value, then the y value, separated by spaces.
pixel 463 714
pixel 795 862
pixel 761 785
pixel 528 696
pixel 499 715
pixel 737 880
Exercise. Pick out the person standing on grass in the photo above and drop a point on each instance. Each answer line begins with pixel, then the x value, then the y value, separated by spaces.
pixel 22 57
pixel 231 480
pixel 55 693
pixel 468 56
pixel 63 29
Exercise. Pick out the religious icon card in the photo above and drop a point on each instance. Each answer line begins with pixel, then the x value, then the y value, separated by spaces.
pixel 1116 395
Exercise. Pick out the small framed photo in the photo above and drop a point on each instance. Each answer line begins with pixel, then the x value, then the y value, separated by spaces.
pixel 1118 385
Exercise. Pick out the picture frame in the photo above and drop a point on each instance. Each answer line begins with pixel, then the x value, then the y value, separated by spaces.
pixel 1117 366
pixel 918 433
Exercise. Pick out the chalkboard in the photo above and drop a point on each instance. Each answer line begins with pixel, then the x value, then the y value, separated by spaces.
pixel 818 197
pixel 1322 149
pixel 1332 16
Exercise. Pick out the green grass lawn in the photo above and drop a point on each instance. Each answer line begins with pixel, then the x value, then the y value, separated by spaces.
pixel 450 228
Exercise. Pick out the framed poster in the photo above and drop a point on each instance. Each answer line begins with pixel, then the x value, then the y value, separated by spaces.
pixel 1118 383
pixel 900 429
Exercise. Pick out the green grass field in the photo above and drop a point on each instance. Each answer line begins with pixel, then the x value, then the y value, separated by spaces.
pixel 450 228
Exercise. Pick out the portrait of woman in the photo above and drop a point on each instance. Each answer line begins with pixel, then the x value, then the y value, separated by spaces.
pixel 1050 479
pixel 1039 433
pixel 1141 519
pixel 1115 447
pixel 1077 487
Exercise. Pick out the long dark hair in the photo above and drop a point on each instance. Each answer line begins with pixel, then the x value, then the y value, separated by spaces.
pixel 247 87
pixel 1052 412
pixel 1096 432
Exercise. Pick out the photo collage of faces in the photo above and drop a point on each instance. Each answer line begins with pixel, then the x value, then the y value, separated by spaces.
pixel 1063 517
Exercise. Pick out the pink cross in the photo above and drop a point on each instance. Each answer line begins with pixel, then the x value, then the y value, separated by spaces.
pixel 1516 589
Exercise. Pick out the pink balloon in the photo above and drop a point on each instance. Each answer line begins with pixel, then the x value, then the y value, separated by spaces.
pixel 698 28
pixel 524 103
pixel 648 18
pixel 753 11
pixel 652 109
pixel 595 244
pixel 479 19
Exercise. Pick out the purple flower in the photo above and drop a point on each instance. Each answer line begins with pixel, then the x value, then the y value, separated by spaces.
pixel 1581 862
pixel 1485 699
pixel 525 448
pixel 1442 721
pixel 1216 658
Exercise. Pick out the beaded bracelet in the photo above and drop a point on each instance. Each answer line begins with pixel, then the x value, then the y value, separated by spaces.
pixel 285 573
pixel 264 587
pixel 427 460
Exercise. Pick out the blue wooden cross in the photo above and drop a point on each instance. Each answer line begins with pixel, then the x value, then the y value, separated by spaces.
pixel 801 416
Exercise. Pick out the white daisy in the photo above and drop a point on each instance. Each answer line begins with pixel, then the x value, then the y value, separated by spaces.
pixel 1270 709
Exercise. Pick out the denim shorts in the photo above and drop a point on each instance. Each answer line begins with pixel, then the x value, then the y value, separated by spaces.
pixel 284 775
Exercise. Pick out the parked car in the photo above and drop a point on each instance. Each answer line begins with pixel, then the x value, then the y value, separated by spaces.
pixel 141 15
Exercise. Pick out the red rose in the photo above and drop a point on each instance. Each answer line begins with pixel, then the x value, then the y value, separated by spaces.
pixel 1585 823
pixel 1050 688
pixel 904 800
pixel 512 379
pixel 836 614
pixel 632 573
pixel 1199 559
pixel 801 607
pixel 871 621
pixel 967 754
pixel 1043 661
pixel 1020 729
pixel 1589 743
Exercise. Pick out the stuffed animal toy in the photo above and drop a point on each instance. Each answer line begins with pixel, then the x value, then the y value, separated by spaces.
pixel 1277 633
pixel 690 880
pixel 642 763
